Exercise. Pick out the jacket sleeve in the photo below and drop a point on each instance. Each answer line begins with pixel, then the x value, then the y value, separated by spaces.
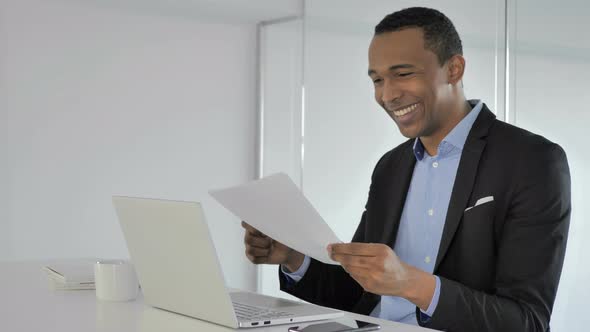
pixel 530 253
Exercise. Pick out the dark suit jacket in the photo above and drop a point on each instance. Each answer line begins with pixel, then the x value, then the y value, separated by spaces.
pixel 499 263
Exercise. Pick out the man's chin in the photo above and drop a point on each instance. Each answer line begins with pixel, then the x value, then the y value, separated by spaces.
pixel 408 132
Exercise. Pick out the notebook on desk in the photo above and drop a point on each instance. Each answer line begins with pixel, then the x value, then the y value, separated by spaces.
pixel 70 274
pixel 178 268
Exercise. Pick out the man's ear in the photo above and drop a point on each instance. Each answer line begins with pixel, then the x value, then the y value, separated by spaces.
pixel 455 69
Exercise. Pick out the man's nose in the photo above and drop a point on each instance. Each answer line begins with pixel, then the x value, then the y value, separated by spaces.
pixel 391 93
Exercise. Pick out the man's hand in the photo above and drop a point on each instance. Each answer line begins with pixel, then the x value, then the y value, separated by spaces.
pixel 380 271
pixel 261 249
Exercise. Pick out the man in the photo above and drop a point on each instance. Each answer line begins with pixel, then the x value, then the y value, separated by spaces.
pixel 466 223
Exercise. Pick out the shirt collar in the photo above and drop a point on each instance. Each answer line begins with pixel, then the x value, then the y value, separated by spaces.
pixel 456 138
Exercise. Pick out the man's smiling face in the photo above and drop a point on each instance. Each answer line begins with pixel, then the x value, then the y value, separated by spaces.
pixel 410 84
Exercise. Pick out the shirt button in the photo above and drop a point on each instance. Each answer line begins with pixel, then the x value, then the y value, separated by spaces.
pixel 427 259
pixel 430 212
pixel 435 164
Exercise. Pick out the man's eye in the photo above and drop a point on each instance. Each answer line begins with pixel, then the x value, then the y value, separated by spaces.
pixel 405 74
pixel 377 80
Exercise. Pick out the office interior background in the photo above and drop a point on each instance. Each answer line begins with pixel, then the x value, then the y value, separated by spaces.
pixel 169 99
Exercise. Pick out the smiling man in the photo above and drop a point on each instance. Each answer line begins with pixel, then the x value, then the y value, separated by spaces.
pixel 466 223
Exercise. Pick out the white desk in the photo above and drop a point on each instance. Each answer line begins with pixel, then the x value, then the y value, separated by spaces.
pixel 27 304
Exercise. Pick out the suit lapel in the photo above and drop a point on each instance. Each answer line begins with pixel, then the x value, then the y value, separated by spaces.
pixel 397 190
pixel 466 174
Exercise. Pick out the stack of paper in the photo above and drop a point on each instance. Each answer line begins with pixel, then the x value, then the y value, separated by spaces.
pixel 70 275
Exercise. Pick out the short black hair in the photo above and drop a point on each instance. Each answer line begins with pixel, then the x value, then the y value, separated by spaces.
pixel 440 35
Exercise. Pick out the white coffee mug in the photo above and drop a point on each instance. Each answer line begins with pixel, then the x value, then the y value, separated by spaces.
pixel 115 280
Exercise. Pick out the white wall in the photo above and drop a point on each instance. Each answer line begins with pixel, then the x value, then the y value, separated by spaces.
pixel 96 101
pixel 552 68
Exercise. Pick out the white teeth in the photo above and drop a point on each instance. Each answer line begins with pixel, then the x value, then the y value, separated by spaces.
pixel 406 110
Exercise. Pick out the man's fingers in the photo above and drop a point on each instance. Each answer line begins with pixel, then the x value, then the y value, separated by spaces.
pixel 260 260
pixel 357 249
pixel 364 262
pixel 257 252
pixel 251 229
pixel 358 274
pixel 257 241
pixel 257 260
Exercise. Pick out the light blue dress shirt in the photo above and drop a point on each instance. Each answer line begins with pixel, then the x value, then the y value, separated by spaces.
pixel 423 217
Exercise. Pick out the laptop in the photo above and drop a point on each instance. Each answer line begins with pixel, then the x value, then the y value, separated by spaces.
pixel 178 269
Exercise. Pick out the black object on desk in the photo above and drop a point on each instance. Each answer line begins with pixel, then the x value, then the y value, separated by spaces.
pixel 337 327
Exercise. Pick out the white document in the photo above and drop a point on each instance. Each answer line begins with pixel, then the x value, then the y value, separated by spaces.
pixel 276 207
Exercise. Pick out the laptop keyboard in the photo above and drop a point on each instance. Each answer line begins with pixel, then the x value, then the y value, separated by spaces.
pixel 249 313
